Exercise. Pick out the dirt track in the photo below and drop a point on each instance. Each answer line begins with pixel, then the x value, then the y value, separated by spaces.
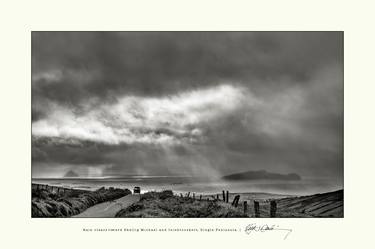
pixel 108 209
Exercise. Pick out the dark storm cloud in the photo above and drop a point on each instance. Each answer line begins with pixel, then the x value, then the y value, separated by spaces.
pixel 204 101
pixel 104 64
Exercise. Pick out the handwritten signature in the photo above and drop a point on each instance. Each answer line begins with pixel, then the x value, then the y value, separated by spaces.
pixel 253 228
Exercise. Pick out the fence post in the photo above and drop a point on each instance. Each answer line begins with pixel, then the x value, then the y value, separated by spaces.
pixel 245 207
pixel 223 195
pixel 235 200
pixel 200 197
pixel 256 209
pixel 194 196
pixel 227 199
pixel 273 209
pixel 188 194
pixel 181 195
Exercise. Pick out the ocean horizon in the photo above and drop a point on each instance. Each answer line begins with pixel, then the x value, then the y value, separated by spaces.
pixel 199 185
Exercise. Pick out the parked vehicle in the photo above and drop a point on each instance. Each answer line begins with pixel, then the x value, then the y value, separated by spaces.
pixel 137 190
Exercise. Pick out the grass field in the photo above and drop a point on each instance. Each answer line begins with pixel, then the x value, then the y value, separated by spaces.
pixel 44 203
pixel 167 205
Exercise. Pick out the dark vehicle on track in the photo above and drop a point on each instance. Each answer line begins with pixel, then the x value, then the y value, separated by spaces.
pixel 137 190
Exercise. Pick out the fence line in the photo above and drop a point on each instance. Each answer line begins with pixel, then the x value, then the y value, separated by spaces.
pixel 51 188
pixel 235 202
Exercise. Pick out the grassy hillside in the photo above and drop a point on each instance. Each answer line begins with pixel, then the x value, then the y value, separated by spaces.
pixel 166 205
pixel 48 204
pixel 319 205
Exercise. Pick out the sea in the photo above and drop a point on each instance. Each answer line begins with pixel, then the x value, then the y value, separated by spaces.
pixel 183 184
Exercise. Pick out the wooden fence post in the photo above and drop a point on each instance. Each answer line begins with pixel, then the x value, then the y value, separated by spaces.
pixel 200 197
pixel 245 207
pixel 181 195
pixel 273 209
pixel 235 200
pixel 256 209
pixel 188 194
pixel 194 196
pixel 223 195
pixel 217 196
pixel 227 199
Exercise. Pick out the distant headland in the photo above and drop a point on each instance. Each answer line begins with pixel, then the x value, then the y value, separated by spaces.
pixel 71 173
pixel 262 175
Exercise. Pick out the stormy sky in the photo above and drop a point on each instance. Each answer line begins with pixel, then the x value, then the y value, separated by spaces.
pixel 187 103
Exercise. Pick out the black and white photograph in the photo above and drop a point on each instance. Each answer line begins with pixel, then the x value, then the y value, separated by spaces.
pixel 187 124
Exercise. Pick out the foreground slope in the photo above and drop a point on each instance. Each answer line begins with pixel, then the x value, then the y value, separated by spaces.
pixel 319 205
pixel 46 203
pixel 165 204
